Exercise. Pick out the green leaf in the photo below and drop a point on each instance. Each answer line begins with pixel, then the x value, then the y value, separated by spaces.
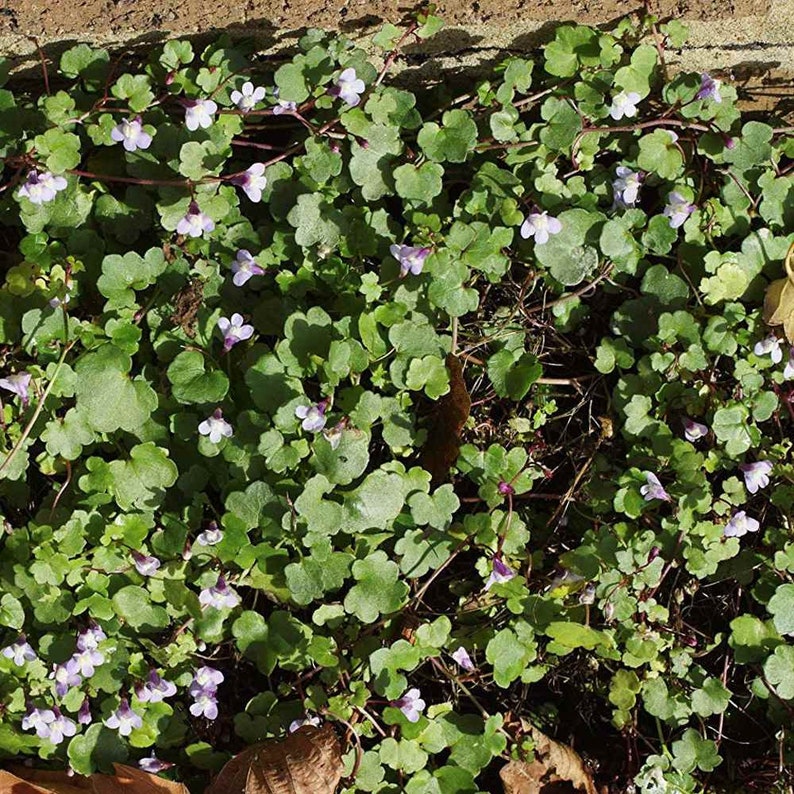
pixel 453 141
pixel 711 698
pixel 11 612
pixel 428 373
pixel 134 606
pixel 65 437
pixel 730 425
pixel 779 671
pixel 141 480
pixel 60 150
pixel 510 653
pixel 659 154
pixel 378 590
pixel 192 382
pixel 123 275
pixel 781 607
pixel 691 751
pixel 135 89
pixel 512 373
pixel 420 184
pixel 96 750
pixel 571 255
pixel 87 62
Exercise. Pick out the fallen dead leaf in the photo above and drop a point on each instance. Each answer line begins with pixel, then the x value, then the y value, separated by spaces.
pixel 557 769
pixel 446 420
pixel 11 784
pixel 57 782
pixel 129 780
pixel 308 761
pixel 779 299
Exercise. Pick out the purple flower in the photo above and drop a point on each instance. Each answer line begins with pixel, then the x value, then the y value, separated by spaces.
pixel 624 104
pixel 65 676
pixel 19 384
pixel 307 720
pixel 153 764
pixel 653 488
pixel 85 662
pixel 247 98
pixel 505 488
pixel 678 209
pixel 219 596
pixel 244 267
pixel 461 656
pixel 709 88
pixel 155 689
pixel 145 564
pixel 216 427
pixel 195 222
pixel 284 106
pixel 500 573
pixel 769 345
pixel 410 704
pixel 212 535
pixel 89 639
pixel 124 719
pixel 349 87
pixel 313 416
pixel 253 181
pixel 540 226
pixel 694 430
pixel 788 371
pixel 41 187
pixel 205 704
pixel 205 679
pixel 740 524
pixel 234 331
pixel 411 258
pixel 131 134
pixel 626 187
pixel 198 113
pixel 84 714
pixel 20 651
pixel 38 720
pixel 60 727
pixel 756 475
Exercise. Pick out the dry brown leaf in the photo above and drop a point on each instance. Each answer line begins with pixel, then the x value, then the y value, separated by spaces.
pixel 308 761
pixel 57 782
pixel 449 414
pixel 129 780
pixel 779 299
pixel 557 769
pixel 11 784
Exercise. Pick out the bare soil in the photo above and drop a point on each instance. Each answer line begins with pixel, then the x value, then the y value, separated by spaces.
pixel 89 18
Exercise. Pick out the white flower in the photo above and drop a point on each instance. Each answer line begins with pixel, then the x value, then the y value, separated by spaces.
pixel 624 104
pixel 248 97
pixel 131 134
pixel 740 524
pixel 216 427
pixel 198 113
pixel 540 225
pixel 348 87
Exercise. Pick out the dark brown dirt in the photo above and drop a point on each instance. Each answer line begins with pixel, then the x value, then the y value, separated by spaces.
pixel 88 18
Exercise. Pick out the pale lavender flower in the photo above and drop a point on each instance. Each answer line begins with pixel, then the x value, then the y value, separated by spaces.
pixel 709 88
pixel 284 106
pixel 624 104
pixel 205 679
pixel 247 98
pixel 500 573
pixel 41 187
pixel 195 222
pixel 85 662
pixel 145 564
pixel 130 132
pixel 756 475
pixel 20 651
pixel 84 714
pixel 216 427
pixel 740 524
pixel 653 489
pixel 461 656
pixel 205 705
pixel 769 345
pixel 124 719
pixel 154 765
pixel 694 430
pixel 349 87
pixel 234 331
pixel 219 596
pixel 253 181
pixel 38 720
pixel 788 371
pixel 626 186
pixel 678 209
pixel 313 416
pixel 411 258
pixel 198 113
pixel 155 689
pixel 89 639
pixel 299 723
pixel 65 676
pixel 410 704
pixel 540 225
pixel 61 727
pixel 244 267
pixel 19 384
pixel 211 536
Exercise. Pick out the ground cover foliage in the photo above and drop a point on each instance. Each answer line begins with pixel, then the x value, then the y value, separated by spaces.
pixel 250 317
